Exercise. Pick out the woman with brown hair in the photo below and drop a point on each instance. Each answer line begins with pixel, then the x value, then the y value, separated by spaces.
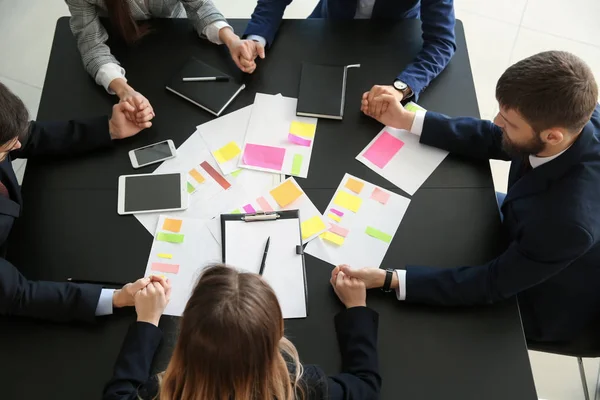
pixel 231 346
pixel 124 15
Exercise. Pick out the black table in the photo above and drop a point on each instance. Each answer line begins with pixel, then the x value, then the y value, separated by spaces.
pixel 69 218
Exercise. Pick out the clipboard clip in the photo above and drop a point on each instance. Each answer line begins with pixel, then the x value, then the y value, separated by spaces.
pixel 261 216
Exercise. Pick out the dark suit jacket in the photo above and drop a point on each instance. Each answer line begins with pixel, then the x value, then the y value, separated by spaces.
pixel 47 300
pixel 357 337
pixel 552 219
pixel 438 29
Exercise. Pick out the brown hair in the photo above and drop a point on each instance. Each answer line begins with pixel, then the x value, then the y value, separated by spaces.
pixel 122 19
pixel 552 89
pixel 231 343
pixel 14 118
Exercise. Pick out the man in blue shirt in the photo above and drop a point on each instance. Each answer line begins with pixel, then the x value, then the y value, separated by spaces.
pixel 437 18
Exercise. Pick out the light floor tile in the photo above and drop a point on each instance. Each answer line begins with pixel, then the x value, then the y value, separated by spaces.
pixel 29 94
pixel 510 11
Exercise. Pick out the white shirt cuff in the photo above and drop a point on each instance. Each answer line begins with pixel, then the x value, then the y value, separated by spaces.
pixel 212 31
pixel 107 73
pixel 105 303
pixel 401 291
pixel 258 39
pixel 417 125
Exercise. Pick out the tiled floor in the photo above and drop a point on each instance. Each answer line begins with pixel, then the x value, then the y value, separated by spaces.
pixel 499 32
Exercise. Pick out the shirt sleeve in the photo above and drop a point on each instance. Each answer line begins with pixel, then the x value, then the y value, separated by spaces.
pixel 258 39
pixel 212 31
pixel 417 126
pixel 401 291
pixel 107 73
pixel 105 303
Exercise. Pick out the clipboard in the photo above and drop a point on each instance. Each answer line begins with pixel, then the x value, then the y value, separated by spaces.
pixel 243 238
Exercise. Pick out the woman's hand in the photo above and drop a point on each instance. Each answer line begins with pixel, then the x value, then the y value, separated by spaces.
pixel 351 291
pixel 151 301
pixel 142 110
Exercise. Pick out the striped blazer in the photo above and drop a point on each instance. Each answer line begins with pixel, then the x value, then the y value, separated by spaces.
pixel 91 35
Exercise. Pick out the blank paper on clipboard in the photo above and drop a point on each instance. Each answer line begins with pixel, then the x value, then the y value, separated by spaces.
pixel 243 248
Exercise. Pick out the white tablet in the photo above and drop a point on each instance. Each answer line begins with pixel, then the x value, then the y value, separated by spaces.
pixel 146 193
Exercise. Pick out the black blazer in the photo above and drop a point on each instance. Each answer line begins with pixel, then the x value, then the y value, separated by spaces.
pixel 47 300
pixel 552 220
pixel 357 336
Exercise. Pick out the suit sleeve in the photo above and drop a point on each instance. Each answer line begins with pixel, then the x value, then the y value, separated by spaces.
pixel 50 139
pixel 131 378
pixel 266 18
pixel 465 136
pixel 537 255
pixel 55 301
pixel 357 337
pixel 439 45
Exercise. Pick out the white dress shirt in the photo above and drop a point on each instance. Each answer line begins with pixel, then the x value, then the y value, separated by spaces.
pixel 108 72
pixel 417 129
pixel 105 302
pixel 364 10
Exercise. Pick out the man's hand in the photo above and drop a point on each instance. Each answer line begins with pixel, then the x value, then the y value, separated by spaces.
pixel 377 90
pixel 120 126
pixel 151 301
pixel 372 277
pixel 142 111
pixel 124 296
pixel 351 291
pixel 244 52
pixel 387 110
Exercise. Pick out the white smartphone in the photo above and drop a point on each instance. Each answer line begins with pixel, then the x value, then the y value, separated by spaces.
pixel 146 193
pixel 153 153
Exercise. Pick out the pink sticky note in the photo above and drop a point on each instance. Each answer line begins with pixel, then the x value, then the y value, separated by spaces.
pixel 338 230
pixel 168 268
pixel 337 212
pixel 383 149
pixel 298 140
pixel 264 156
pixel 380 195
pixel 264 204
pixel 249 209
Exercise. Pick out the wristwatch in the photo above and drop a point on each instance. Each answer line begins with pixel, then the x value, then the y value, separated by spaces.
pixel 389 274
pixel 402 87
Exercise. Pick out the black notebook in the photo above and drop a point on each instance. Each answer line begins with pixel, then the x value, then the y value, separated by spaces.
pixel 214 97
pixel 322 90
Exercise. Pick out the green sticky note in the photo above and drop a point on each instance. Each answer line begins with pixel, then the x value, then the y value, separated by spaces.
pixel 190 188
pixel 297 164
pixel 376 233
pixel 414 107
pixel 169 237
pixel 236 172
pixel 236 211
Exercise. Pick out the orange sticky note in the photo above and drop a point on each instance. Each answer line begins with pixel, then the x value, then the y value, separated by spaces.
pixel 354 185
pixel 196 175
pixel 286 193
pixel 173 225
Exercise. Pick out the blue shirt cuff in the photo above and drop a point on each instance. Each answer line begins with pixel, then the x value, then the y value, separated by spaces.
pixel 258 39
pixel 105 303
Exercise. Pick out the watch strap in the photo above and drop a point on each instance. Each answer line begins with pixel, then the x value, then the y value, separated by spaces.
pixel 389 274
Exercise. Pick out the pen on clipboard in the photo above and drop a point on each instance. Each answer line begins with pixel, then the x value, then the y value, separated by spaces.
pixel 206 79
pixel 264 258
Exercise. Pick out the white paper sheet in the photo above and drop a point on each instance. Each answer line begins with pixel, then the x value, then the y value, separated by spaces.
pixel 269 125
pixel 197 251
pixel 210 198
pixel 284 271
pixel 307 210
pixel 412 164
pixel 360 249
pixel 224 130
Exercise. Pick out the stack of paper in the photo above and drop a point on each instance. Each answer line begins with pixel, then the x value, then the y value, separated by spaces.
pixel 276 139
pixel 363 219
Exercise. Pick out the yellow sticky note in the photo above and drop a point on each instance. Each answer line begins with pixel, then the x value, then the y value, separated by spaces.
pixel 311 226
pixel 303 129
pixel 196 175
pixel 333 238
pixel 286 193
pixel 347 200
pixel 227 152
pixel 334 217
pixel 354 185
pixel 165 255
pixel 173 225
